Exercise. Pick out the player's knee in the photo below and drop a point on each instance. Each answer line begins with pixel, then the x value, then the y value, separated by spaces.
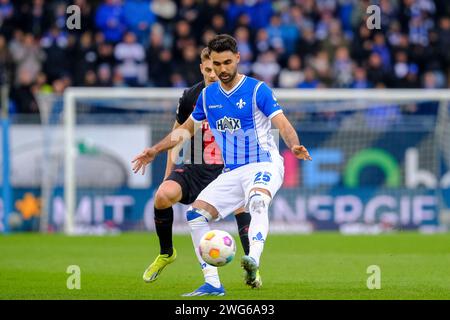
pixel 197 218
pixel 163 199
pixel 259 201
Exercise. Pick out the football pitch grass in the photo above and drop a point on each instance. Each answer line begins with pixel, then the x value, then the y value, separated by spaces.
pixel 317 266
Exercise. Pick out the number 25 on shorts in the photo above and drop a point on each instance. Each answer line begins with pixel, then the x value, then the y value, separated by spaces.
pixel 262 177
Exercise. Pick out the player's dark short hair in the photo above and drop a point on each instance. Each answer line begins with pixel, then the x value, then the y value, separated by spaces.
pixel 223 42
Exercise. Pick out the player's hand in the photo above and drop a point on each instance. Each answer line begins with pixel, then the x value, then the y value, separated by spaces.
pixel 301 152
pixel 141 160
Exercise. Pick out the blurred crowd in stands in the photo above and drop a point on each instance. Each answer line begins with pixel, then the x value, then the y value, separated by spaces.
pixel 287 43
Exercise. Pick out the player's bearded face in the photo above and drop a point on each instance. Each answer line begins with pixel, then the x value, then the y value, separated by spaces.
pixel 225 65
pixel 226 77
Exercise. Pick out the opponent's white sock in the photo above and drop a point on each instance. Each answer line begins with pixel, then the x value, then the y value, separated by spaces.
pixel 198 221
pixel 259 225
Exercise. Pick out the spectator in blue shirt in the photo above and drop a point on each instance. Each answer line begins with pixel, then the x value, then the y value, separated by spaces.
pixel 139 18
pixel 360 79
pixel 310 81
pixel 110 20
pixel 260 14
pixel 381 48
pixel 234 11
pixel 286 32
pixel 6 18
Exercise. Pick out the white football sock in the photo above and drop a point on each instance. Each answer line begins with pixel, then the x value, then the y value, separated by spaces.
pixel 198 221
pixel 259 225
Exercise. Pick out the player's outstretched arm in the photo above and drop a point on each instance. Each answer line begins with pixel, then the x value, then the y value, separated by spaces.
pixel 290 136
pixel 179 135
pixel 170 162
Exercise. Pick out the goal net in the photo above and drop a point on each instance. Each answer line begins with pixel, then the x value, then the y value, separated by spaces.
pixel 381 161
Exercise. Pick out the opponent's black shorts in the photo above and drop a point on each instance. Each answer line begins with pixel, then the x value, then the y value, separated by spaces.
pixel 193 178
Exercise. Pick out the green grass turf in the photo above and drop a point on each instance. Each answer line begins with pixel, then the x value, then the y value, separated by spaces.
pixel 317 266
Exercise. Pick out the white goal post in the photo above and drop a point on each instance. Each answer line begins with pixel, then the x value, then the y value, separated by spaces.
pixel 71 95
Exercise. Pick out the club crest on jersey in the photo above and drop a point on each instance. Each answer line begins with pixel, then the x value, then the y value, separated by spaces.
pixel 230 124
pixel 241 104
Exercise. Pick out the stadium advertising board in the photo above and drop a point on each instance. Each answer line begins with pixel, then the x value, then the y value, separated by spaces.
pixel 395 181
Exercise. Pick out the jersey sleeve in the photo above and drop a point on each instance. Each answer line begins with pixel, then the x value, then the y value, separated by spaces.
pixel 199 113
pixel 267 102
pixel 184 108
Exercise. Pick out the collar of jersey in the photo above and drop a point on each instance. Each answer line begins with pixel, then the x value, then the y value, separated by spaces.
pixel 234 89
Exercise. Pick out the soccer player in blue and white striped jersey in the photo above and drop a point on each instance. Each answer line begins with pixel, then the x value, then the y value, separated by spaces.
pixel 240 111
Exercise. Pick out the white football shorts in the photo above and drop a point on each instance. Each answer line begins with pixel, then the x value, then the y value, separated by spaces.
pixel 230 190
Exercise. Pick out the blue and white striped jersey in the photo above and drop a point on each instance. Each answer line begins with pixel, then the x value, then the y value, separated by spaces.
pixel 240 121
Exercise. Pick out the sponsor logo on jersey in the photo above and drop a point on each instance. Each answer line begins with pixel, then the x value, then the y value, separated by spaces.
pixel 215 106
pixel 230 124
